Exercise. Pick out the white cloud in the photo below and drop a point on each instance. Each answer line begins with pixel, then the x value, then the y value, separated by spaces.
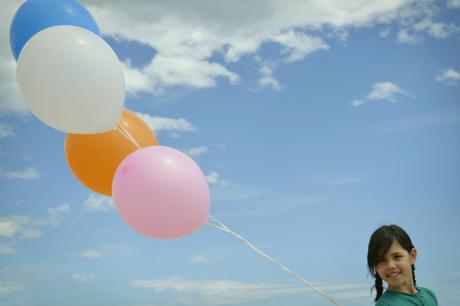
pixel 98 203
pixel 270 82
pixel 199 259
pixel 298 45
pixel 82 278
pixel 266 71
pixel 58 210
pixel 453 3
pixel 186 36
pixel 5 130
pixel 189 39
pixel 219 292
pixel 172 70
pixel 383 91
pixel 158 124
pixel 108 251
pixel 435 29
pixel 137 80
pixel 225 292
pixel 214 178
pixel 384 33
pixel 197 151
pixel 404 36
pixel 54 216
pixel 10 99
pixel 31 228
pixel 8 287
pixel 31 233
pixel 29 173
pixel 450 75
pixel 92 254
pixel 356 103
pixel 10 226
pixel 418 21
pixel 7 250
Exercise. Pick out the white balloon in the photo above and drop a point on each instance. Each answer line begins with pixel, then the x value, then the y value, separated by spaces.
pixel 72 80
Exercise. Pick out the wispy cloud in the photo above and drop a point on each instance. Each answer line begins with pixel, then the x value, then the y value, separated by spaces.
pixel 11 226
pixel 453 3
pixel 82 278
pixel 31 233
pixel 382 91
pixel 54 216
pixel 199 259
pixel 437 30
pixel 418 21
pixel 5 130
pixel 98 203
pixel 92 254
pixel 298 45
pixel 137 80
pixel 405 37
pixel 197 151
pixel 385 91
pixel 225 292
pixel 171 70
pixel 8 287
pixel 10 99
pixel 214 178
pixel 384 33
pixel 171 125
pixel 219 292
pixel 450 76
pixel 356 103
pixel 27 227
pixel 187 37
pixel 59 210
pixel 108 251
pixel 7 250
pixel 29 173
pixel 266 71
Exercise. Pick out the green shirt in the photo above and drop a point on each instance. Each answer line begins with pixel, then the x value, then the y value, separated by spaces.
pixel 423 297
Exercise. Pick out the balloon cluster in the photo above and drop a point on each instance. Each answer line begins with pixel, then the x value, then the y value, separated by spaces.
pixel 72 80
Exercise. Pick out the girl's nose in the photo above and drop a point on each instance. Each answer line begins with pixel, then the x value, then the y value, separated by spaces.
pixel 391 264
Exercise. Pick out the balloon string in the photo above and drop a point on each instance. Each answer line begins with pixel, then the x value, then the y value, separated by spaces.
pixel 126 133
pixel 220 226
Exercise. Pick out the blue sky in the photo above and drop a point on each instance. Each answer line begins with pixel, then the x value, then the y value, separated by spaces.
pixel 314 123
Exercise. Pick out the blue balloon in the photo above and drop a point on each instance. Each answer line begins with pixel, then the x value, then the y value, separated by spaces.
pixel 36 15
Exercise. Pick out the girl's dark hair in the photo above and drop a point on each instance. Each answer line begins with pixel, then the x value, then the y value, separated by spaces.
pixel 379 244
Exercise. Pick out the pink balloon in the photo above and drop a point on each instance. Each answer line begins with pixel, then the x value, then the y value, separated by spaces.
pixel 161 193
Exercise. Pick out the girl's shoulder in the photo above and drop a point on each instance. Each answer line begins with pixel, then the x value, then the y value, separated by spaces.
pixel 428 293
pixel 424 295
pixel 381 302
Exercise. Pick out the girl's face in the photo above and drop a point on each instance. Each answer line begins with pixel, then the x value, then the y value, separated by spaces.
pixel 395 268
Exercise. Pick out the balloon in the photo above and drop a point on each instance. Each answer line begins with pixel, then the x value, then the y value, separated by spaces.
pixel 161 193
pixel 93 159
pixel 72 80
pixel 36 15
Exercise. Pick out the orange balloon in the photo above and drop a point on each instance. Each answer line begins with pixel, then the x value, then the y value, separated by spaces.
pixel 94 158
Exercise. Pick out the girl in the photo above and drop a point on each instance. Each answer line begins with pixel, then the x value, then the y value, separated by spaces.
pixel 391 258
